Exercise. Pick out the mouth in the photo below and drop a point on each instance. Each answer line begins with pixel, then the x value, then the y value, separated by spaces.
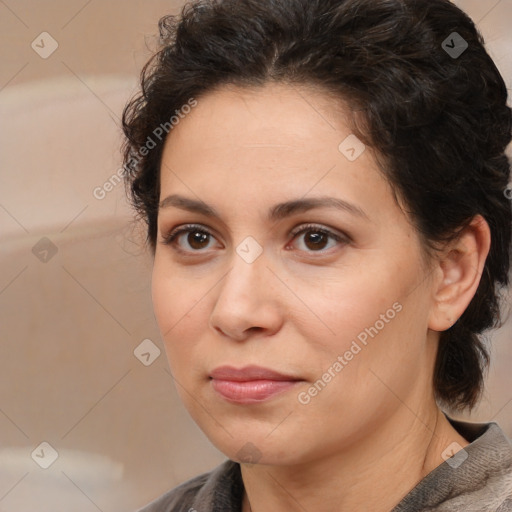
pixel 251 384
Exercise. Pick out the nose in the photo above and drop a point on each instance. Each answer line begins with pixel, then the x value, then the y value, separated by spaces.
pixel 247 303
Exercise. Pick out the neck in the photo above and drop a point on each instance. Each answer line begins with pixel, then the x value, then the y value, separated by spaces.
pixel 374 474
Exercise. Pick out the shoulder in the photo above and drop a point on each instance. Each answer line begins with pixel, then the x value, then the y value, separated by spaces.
pixel 506 506
pixel 178 499
pixel 482 479
pixel 476 479
pixel 203 493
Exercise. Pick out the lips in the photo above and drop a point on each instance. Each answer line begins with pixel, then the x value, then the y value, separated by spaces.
pixel 251 384
pixel 248 373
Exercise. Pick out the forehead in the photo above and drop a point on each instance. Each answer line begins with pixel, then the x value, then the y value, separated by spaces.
pixel 270 143
pixel 274 114
pixel 272 126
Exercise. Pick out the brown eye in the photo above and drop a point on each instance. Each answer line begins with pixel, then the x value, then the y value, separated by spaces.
pixel 189 238
pixel 317 239
pixel 197 239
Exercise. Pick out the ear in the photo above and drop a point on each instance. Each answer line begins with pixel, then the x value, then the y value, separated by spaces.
pixel 458 271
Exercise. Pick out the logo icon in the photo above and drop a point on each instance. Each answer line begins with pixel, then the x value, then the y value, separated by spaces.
pixel 45 455
pixel 454 455
pixel 249 454
pixel 147 352
pixel 44 250
pixel 351 148
pixel 454 45
pixel 249 250
pixel 44 45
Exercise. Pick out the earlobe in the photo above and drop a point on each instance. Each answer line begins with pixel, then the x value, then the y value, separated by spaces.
pixel 459 269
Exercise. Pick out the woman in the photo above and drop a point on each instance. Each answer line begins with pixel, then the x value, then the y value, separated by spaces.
pixel 324 186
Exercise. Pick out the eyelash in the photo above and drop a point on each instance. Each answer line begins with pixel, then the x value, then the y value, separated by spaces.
pixel 170 238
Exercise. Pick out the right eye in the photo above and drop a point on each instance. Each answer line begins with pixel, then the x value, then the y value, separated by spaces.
pixel 191 238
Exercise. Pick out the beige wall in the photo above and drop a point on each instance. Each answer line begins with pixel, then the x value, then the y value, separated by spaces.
pixel 69 326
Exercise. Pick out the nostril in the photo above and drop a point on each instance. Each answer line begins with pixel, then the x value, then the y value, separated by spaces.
pixel 255 329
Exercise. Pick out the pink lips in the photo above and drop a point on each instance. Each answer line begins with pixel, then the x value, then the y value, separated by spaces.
pixel 249 384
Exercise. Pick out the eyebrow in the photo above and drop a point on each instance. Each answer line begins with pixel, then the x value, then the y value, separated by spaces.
pixel 275 213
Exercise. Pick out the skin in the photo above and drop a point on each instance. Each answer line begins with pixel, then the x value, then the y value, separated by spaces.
pixel 374 431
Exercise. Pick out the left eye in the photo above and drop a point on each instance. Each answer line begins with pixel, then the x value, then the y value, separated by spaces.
pixel 316 239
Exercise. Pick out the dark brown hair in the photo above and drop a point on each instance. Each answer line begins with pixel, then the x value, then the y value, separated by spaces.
pixel 437 118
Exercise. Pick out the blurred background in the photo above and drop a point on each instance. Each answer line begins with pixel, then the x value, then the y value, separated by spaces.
pixel 89 417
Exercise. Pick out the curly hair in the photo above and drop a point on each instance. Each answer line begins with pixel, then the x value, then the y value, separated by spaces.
pixel 438 121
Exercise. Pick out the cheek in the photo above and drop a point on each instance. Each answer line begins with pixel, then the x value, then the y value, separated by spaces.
pixel 346 303
pixel 179 311
pixel 165 299
pixel 369 317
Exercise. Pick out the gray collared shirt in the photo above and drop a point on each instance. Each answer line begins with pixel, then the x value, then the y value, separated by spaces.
pixel 476 479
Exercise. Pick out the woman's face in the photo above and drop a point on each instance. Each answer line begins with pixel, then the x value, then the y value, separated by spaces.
pixel 298 261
